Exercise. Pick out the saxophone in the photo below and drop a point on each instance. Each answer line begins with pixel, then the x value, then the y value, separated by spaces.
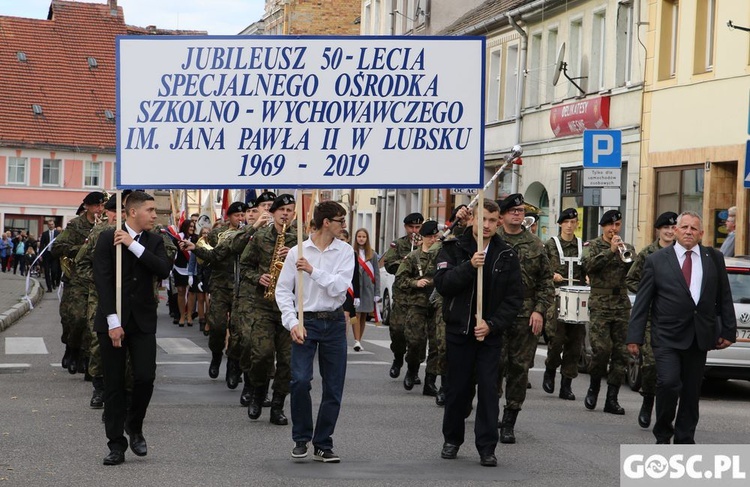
pixel 276 264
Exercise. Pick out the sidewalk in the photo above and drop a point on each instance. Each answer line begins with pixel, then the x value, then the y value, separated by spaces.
pixel 12 304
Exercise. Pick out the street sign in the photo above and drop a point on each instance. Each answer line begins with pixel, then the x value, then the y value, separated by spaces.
pixel 602 149
pixel 747 164
pixel 602 178
pixel 601 196
pixel 468 191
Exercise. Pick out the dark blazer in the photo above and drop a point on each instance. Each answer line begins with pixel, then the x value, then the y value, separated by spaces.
pixel 139 299
pixel 675 318
pixel 44 238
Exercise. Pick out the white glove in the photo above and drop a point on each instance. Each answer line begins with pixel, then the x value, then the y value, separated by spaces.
pixel 356 302
pixel 200 286
pixel 190 281
pixel 377 299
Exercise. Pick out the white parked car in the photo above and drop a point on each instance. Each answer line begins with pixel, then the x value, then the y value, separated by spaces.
pixel 386 295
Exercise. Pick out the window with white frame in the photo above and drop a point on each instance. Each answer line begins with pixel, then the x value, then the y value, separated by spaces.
pixel 493 95
pixel 598 52
pixel 551 62
pixel 376 27
pixel 574 59
pixel 533 81
pixel 409 15
pixel 624 39
pixel 367 19
pixel 704 36
pixel 18 170
pixel 51 169
pixel 511 82
pixel 92 174
pixel 670 16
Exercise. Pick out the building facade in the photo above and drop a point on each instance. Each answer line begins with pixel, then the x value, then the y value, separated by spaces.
pixel 695 118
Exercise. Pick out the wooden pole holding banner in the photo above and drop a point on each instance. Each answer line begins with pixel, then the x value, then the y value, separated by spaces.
pixel 300 254
pixel 479 216
pixel 118 257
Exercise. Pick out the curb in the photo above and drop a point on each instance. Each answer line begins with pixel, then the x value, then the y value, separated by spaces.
pixel 18 311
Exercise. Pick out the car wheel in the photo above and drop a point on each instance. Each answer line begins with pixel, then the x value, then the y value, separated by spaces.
pixel 634 372
pixel 385 313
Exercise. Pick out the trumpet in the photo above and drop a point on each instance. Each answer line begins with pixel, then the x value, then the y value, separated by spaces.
pixel 625 254
pixel 527 222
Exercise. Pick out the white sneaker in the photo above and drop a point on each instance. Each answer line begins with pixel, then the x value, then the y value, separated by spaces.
pixel 357 346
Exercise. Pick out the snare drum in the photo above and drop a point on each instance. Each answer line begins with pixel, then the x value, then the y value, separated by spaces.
pixel 574 304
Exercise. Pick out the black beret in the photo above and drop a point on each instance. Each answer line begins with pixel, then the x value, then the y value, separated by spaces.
pixel 666 218
pixel 413 219
pixel 282 200
pixel 264 197
pixel 567 214
pixel 610 216
pixel 236 207
pixel 511 202
pixel 94 198
pixel 430 227
pixel 80 209
pixel 111 204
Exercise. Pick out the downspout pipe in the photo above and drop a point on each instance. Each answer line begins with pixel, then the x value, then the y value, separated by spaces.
pixel 521 84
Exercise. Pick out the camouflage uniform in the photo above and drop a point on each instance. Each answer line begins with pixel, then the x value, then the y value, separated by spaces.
pixel 565 339
pixel 519 346
pixel 74 298
pixel 648 367
pixel 266 333
pixel 392 259
pixel 419 321
pixel 609 310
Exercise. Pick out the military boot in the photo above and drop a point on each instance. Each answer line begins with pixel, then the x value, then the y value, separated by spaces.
pixel 395 371
pixel 66 358
pixel 266 399
pixel 97 397
pixel 507 435
pixel 75 356
pixel 234 374
pixel 213 368
pixel 548 383
pixel 410 378
pixel 429 389
pixel 644 417
pixel 440 397
pixel 277 409
pixel 592 395
pixel 611 405
pixel 566 391
pixel 245 396
pixel 255 407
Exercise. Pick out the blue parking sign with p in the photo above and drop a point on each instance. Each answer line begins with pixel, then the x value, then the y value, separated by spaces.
pixel 602 149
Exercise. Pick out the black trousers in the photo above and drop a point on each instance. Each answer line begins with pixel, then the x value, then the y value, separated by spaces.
pixel 51 270
pixel 465 356
pixel 117 409
pixel 679 375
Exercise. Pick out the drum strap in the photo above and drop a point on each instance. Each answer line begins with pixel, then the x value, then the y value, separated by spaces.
pixel 569 260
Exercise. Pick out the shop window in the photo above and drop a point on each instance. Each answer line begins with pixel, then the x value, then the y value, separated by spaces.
pixel 680 190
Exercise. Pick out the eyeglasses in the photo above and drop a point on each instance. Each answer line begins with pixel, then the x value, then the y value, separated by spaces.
pixel 341 220
pixel 517 210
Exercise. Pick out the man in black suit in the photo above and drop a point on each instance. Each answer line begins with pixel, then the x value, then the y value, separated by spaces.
pixel 144 263
pixel 50 263
pixel 686 289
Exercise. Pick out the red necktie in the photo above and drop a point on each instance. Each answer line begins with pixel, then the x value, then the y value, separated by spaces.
pixel 687 266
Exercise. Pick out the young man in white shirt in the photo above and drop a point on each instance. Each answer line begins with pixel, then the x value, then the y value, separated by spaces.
pixel 327 266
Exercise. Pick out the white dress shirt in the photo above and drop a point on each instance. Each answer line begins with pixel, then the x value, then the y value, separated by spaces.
pixel 324 289
pixel 137 249
pixel 696 276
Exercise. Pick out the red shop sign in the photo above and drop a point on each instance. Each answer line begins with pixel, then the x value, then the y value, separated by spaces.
pixel 576 117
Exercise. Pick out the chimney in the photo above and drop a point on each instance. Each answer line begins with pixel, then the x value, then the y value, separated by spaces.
pixel 112 7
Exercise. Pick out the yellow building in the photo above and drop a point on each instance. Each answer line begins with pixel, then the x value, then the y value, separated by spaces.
pixel 695 115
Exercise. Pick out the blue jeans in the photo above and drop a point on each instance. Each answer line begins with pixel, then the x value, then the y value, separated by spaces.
pixel 328 338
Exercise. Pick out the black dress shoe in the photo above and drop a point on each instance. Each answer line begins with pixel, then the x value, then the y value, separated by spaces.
pixel 449 452
pixel 115 457
pixel 489 460
pixel 138 444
